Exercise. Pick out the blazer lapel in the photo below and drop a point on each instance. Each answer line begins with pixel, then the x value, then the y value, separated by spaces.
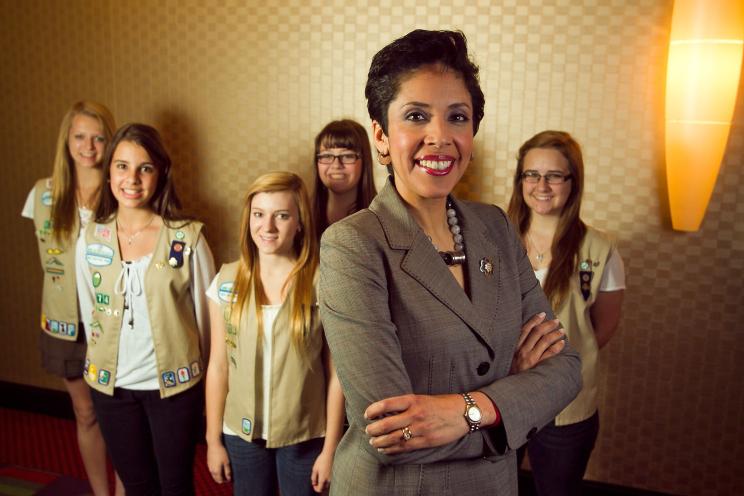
pixel 423 263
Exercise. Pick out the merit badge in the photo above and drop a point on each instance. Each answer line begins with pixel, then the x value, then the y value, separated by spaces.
pixel 70 329
pixel 585 280
pixel 225 293
pixel 96 279
pixel 63 328
pixel 175 258
pixel 247 426
pixel 92 372
pixel 169 379
pixel 104 376
pixel 102 298
pixel 103 232
pixel 195 369
pixel 46 198
pixel 180 235
pixel 55 326
pixel 486 266
pixel 183 374
pixel 99 255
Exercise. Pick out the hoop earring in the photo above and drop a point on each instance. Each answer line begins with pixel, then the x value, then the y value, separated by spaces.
pixel 383 158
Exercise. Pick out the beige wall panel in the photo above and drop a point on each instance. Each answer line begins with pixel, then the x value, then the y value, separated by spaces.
pixel 239 88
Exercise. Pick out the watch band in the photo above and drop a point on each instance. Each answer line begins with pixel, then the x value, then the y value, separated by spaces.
pixel 470 404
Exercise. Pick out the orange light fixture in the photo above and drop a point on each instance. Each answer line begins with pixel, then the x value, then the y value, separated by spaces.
pixel 705 56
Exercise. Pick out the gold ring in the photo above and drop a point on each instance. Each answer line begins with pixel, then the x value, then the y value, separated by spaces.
pixel 407 434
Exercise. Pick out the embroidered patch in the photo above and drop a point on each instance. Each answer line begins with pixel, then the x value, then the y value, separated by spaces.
pixel 225 293
pixel 103 377
pixel 63 328
pixel 55 271
pixel 46 198
pixel 175 258
pixel 102 298
pixel 96 279
pixel 102 232
pixel 71 329
pixel 53 251
pixel 169 379
pixel 195 369
pixel 92 373
pixel 54 326
pixel 180 235
pixel 99 255
pixel 183 375
pixel 247 426
pixel 54 261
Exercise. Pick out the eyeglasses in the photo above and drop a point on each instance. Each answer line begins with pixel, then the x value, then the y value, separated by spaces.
pixel 533 177
pixel 344 158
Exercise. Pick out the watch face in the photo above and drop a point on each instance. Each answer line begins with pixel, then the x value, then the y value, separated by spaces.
pixel 474 414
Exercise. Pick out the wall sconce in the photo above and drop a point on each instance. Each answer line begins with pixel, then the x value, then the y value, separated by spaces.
pixel 705 56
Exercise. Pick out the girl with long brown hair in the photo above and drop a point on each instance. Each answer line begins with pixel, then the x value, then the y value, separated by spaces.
pixel 582 275
pixel 142 268
pixel 61 207
pixel 274 404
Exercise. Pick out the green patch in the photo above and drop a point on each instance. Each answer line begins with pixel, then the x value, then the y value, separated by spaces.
pixel 96 279
pixel 102 298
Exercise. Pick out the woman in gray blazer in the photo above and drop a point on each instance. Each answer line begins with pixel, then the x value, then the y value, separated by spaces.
pixel 442 338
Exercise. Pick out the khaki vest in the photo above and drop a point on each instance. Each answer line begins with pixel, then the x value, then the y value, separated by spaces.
pixel 575 318
pixel 59 307
pixel 298 387
pixel 170 306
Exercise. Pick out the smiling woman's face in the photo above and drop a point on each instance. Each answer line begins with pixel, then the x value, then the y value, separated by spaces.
pixel 430 134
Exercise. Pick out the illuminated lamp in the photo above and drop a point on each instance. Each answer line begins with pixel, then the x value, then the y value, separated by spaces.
pixel 705 56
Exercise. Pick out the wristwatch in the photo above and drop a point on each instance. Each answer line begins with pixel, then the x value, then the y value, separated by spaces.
pixel 473 415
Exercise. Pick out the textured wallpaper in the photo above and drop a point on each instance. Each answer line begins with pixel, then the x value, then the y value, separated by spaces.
pixel 239 88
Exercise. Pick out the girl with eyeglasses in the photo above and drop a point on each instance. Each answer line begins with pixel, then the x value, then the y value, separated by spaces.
pixel 344 182
pixel 583 277
pixel 274 403
pixel 61 207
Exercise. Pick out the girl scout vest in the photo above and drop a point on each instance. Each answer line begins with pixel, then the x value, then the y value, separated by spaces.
pixel 59 307
pixel 298 386
pixel 575 318
pixel 169 304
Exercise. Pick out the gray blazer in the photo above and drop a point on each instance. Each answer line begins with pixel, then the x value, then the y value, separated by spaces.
pixel 397 322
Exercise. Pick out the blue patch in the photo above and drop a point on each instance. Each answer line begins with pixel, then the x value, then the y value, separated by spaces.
pixel 99 255
pixel 70 329
pixel 175 258
pixel 54 326
pixel 225 293
pixel 46 198
pixel 169 379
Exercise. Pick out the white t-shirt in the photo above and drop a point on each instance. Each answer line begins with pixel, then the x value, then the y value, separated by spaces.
pixel 137 367
pixel 269 313
pixel 28 211
pixel 613 277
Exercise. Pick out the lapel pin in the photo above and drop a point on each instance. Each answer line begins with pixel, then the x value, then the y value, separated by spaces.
pixel 486 266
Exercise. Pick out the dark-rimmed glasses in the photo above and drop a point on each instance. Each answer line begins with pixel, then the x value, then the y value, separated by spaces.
pixel 345 158
pixel 533 177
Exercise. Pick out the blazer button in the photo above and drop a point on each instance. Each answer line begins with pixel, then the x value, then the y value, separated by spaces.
pixel 532 432
pixel 483 368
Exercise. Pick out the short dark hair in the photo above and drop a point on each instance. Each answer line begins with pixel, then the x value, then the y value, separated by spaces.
pixel 165 201
pixel 395 61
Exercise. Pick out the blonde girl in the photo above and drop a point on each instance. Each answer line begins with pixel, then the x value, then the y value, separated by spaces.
pixel 274 404
pixel 61 206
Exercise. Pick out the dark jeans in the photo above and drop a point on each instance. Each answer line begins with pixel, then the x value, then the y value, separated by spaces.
pixel 559 456
pixel 255 468
pixel 151 441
